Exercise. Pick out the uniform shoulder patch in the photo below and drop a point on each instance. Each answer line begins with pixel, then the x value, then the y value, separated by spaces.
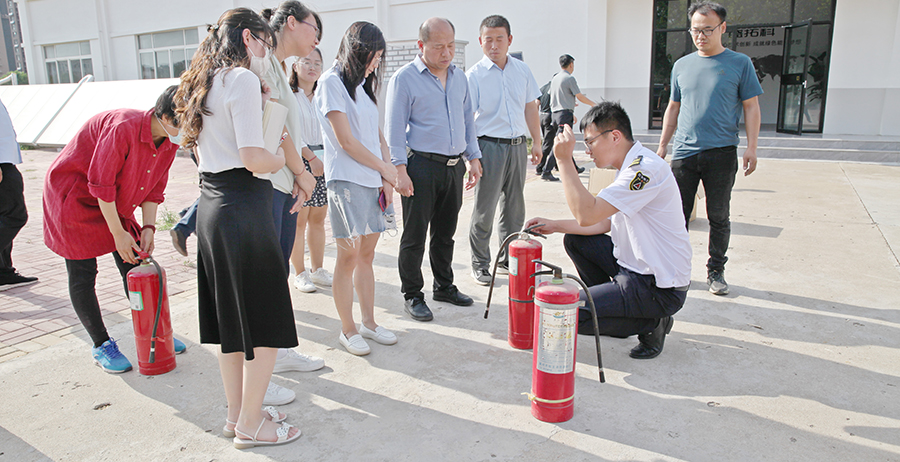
pixel 640 180
pixel 637 161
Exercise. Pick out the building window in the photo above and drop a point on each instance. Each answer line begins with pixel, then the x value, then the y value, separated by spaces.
pixel 165 55
pixel 68 62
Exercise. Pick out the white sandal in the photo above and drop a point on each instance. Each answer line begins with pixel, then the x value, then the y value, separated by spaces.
pixel 282 433
pixel 270 410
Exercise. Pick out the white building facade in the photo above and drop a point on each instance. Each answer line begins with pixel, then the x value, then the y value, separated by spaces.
pixel 622 48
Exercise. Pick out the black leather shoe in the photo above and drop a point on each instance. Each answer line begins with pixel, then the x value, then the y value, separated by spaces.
pixel 538 171
pixel 547 176
pixel 452 295
pixel 417 309
pixel 579 169
pixel 652 344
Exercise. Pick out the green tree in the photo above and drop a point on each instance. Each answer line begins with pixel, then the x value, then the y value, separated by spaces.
pixel 22 77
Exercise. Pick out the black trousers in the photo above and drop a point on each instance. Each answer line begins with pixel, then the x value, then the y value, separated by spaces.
pixel 13 214
pixel 435 203
pixel 548 133
pixel 627 303
pixel 557 119
pixel 82 283
pixel 716 168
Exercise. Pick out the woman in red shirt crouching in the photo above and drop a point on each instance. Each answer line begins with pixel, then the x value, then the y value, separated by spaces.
pixel 117 161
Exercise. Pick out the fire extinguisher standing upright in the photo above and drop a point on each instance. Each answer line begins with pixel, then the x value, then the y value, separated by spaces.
pixel 556 337
pixel 153 335
pixel 523 251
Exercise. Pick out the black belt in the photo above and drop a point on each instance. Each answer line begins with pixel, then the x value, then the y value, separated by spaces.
pixel 514 142
pixel 315 147
pixel 449 161
pixel 682 288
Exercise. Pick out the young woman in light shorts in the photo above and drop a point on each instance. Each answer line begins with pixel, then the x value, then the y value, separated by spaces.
pixel 358 170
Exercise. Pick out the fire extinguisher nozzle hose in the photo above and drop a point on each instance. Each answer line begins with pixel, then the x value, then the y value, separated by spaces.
pixel 587 295
pixel 494 272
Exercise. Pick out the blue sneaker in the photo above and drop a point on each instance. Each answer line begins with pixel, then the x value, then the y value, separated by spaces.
pixel 109 358
pixel 179 346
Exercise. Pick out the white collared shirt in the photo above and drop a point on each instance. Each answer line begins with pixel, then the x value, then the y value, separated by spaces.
pixel 648 232
pixel 499 97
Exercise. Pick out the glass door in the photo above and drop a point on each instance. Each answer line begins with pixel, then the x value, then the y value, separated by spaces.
pixel 792 95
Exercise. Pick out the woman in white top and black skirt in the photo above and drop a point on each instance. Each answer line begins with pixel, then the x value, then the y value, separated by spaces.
pixel 359 177
pixel 243 297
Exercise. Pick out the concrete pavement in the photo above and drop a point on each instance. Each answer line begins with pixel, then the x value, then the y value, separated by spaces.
pixel 799 362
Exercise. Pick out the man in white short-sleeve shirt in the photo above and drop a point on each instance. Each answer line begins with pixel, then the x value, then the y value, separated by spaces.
pixel 504 95
pixel 628 243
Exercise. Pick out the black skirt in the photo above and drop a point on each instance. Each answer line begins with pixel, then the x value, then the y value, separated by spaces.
pixel 243 295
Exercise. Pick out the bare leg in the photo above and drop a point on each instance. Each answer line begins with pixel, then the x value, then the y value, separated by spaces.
pixel 342 287
pixel 299 240
pixel 364 279
pixel 315 235
pixel 256 376
pixel 231 365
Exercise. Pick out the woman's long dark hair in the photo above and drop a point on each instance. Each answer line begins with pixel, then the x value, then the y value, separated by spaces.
pixel 299 11
pixel 295 79
pixel 223 48
pixel 358 47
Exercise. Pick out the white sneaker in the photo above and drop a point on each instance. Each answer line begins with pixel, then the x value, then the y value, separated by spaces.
pixel 293 361
pixel 277 395
pixel 355 344
pixel 321 277
pixel 303 284
pixel 380 335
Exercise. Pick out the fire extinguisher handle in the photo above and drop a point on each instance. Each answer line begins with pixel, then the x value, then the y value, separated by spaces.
pixel 531 230
pixel 143 255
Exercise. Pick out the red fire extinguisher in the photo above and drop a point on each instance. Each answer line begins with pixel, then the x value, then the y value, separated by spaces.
pixel 523 252
pixel 556 337
pixel 150 316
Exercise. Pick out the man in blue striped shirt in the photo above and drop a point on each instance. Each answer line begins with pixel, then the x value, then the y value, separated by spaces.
pixel 431 134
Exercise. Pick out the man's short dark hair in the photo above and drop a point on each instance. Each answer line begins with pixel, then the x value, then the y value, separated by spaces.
pixel 705 8
pixel 608 115
pixel 165 104
pixel 565 60
pixel 425 30
pixel 494 20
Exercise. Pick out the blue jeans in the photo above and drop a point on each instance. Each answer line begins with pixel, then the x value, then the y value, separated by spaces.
pixel 717 169
pixel 188 223
pixel 285 224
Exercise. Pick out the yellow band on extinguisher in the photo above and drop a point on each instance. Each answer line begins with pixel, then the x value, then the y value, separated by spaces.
pixel 532 397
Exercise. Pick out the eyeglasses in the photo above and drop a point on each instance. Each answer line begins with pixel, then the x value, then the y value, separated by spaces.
pixel 705 32
pixel 315 28
pixel 310 64
pixel 589 142
pixel 265 43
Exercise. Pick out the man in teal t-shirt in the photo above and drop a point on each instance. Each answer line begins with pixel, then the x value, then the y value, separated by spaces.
pixel 710 90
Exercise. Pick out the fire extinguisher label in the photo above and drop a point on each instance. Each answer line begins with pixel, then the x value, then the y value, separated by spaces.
pixel 513 266
pixel 556 346
pixel 137 300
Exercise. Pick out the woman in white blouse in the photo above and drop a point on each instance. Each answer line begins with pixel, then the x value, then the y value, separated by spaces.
pixel 311 218
pixel 359 177
pixel 243 298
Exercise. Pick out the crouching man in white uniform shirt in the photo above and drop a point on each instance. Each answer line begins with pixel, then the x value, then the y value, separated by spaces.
pixel 629 243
